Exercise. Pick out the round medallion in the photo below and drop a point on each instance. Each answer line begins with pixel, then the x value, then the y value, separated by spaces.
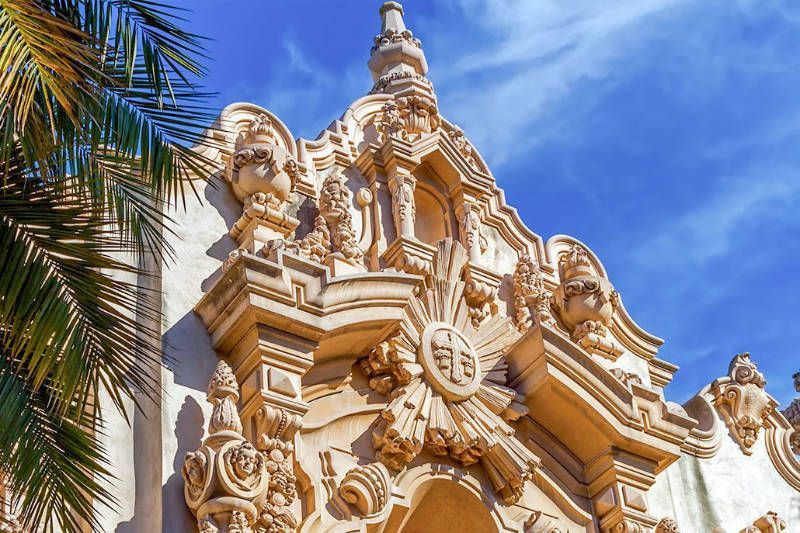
pixel 450 361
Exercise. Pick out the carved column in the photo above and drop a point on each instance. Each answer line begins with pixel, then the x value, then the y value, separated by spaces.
pixel 402 187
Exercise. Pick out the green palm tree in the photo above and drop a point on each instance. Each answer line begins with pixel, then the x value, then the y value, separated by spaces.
pixel 97 106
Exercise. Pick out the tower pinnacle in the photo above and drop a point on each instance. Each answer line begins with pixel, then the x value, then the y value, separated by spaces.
pixel 396 51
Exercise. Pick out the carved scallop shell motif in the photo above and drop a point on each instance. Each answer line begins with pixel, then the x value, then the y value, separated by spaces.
pixel 446 383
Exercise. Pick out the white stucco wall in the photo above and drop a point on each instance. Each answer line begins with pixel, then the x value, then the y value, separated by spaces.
pixel 729 490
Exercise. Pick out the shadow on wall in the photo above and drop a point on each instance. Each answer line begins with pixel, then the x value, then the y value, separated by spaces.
pixel 189 435
pixel 218 194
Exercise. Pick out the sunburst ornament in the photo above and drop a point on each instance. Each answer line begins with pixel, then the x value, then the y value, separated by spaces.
pixel 446 379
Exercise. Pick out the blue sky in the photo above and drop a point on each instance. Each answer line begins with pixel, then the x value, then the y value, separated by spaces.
pixel 662 133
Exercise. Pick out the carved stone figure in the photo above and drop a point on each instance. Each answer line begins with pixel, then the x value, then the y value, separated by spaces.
pixel 334 207
pixel 225 480
pixel 742 401
pixel 531 298
pixel 585 303
pixel 390 123
pixel 446 384
pixel 403 208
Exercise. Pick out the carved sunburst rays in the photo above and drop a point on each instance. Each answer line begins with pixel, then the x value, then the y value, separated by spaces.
pixel 446 383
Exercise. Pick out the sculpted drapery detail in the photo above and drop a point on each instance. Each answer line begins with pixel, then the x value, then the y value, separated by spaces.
pixel 446 383
pixel 585 304
pixel 742 401
pixel 531 298
pixel 226 479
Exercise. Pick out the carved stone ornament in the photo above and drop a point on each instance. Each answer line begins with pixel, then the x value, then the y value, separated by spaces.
pixel 367 488
pixel 667 525
pixel 260 165
pixel 226 479
pixel 792 414
pixel 276 429
pixel 769 523
pixel 531 298
pixel 446 380
pixel 334 207
pixel 742 402
pixel 462 144
pixel 408 117
pixel 586 303
pixel 404 209
pixel 316 245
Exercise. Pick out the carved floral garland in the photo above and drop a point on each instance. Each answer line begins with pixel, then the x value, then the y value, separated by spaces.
pixel 446 383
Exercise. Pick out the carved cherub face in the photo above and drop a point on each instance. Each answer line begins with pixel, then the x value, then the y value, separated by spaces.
pixel 245 461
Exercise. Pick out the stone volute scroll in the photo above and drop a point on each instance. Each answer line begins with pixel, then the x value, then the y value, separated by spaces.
pixel 742 402
pixel 226 480
pixel 585 303
pixel 445 380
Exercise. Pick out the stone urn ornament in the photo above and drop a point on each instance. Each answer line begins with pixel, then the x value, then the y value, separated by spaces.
pixel 262 167
pixel 586 303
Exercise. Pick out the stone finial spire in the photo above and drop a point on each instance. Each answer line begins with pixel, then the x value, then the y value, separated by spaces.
pixel 396 51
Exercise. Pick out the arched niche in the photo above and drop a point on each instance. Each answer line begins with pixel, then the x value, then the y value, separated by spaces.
pixel 444 506
pixel 434 213
pixel 431 223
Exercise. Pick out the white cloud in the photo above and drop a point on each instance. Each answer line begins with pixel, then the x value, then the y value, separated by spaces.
pixel 537 53
pixel 711 230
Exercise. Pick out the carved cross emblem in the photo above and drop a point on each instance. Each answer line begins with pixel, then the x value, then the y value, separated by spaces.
pixel 453 357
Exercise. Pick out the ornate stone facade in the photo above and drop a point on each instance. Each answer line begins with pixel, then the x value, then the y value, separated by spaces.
pixel 397 351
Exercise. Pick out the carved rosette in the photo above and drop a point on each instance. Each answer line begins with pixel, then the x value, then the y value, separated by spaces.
pixel 226 479
pixel 742 401
pixel 446 383
pixel 531 298
pixel 334 207
pixel 586 303
pixel 792 414
pixel 367 488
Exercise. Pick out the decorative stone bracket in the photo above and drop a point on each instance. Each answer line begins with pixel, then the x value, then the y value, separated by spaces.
pixel 742 402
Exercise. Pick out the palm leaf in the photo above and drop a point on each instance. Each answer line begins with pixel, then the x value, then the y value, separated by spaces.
pixel 98 104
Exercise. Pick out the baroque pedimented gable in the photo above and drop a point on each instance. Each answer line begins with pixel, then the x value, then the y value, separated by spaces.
pixel 387 299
